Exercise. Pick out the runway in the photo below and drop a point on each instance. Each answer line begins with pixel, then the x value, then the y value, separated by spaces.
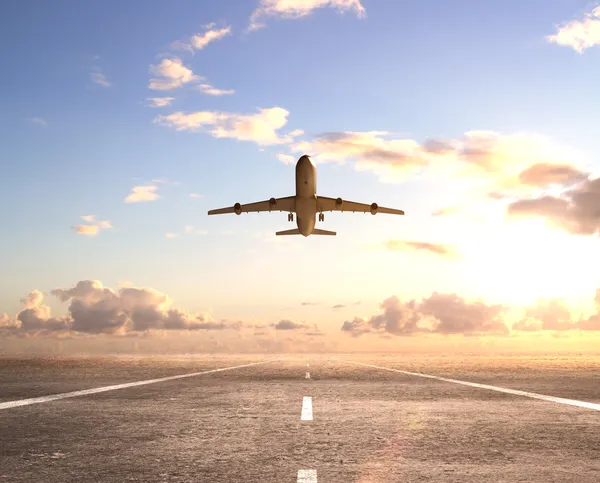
pixel 300 419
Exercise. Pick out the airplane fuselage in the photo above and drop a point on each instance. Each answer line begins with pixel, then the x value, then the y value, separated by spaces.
pixel 306 195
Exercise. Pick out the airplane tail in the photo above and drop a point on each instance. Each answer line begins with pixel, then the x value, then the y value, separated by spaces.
pixel 315 231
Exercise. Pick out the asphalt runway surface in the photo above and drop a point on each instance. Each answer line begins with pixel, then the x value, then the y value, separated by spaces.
pixel 301 418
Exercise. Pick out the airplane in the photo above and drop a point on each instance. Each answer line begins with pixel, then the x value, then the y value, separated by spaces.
pixel 306 204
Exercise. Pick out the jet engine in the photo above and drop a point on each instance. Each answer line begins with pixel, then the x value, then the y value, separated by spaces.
pixel 272 202
pixel 237 208
pixel 374 208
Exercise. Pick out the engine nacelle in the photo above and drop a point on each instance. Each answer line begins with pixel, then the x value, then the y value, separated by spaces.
pixel 374 208
pixel 237 208
pixel 339 202
pixel 272 202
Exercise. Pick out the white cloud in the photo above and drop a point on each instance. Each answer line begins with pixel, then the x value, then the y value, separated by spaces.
pixel 171 235
pixel 195 195
pixel 142 193
pixel 213 91
pixel 201 40
pixel 202 232
pixel 39 121
pixel 579 34
pixel 292 9
pixel 159 101
pixel 260 128
pixel 172 74
pixel 124 283
pixel 189 229
pixel 286 158
pixel 99 78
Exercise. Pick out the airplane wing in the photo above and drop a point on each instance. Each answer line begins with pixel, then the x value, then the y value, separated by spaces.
pixel 273 204
pixel 338 204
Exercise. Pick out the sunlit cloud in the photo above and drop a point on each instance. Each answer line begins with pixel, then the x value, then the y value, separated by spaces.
pixel 209 90
pixel 95 309
pixel 171 235
pixel 93 228
pixel 159 101
pixel 286 158
pixel 201 40
pixel 576 210
pixel 579 34
pixel 293 9
pixel 261 128
pixel 195 195
pixel 142 193
pixel 171 74
pixel 439 249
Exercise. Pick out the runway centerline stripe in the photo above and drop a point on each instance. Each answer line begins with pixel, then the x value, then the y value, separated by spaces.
pixel 306 409
pixel 85 392
pixel 516 392
pixel 308 375
pixel 307 476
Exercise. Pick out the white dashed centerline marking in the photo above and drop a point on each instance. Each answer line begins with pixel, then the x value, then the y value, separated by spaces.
pixel 533 395
pixel 85 392
pixel 306 409
pixel 307 476
pixel 308 375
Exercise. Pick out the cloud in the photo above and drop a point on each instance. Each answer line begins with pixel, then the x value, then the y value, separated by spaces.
pixel 124 283
pixel 142 193
pixel 39 121
pixel 94 309
pixel 94 228
pixel 87 230
pixel 99 78
pixel 289 325
pixel 579 34
pixel 293 9
pixel 576 210
pixel 260 128
pixel 189 228
pixel 286 158
pixel 439 313
pixel 159 101
pixel 171 235
pixel 500 160
pixel 442 250
pixel 213 91
pixel 309 303
pixel 171 74
pixel 201 40
pixel 195 195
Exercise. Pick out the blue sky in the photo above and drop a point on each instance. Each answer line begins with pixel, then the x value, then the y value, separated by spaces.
pixel 78 136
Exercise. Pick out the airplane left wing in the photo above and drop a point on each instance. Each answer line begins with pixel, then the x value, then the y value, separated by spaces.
pixel 338 204
pixel 273 204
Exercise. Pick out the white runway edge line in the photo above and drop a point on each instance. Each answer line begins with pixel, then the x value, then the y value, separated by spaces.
pixel 307 476
pixel 306 409
pixel 560 400
pixel 85 392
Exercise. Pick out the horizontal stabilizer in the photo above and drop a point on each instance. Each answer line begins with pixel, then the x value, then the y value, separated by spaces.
pixel 316 231
pixel 295 231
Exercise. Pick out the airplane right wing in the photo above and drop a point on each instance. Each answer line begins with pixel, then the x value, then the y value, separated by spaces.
pixel 338 204
pixel 273 204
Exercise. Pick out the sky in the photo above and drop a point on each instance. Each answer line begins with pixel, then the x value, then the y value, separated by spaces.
pixel 122 125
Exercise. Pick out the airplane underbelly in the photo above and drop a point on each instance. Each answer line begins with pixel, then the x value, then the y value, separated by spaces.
pixel 306 214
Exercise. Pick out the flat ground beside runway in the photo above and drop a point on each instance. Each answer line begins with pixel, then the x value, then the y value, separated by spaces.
pixel 243 425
